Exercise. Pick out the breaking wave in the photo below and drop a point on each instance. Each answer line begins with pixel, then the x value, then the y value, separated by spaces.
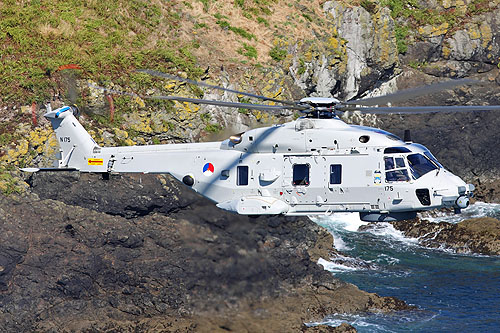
pixel 378 322
pixel 477 209
pixel 345 226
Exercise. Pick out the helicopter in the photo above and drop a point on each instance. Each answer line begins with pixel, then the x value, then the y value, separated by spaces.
pixel 314 165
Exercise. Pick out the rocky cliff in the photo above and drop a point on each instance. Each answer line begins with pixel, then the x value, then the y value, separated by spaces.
pixel 144 253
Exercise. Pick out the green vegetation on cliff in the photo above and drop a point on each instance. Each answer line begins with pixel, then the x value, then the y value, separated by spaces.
pixel 104 38
pixel 413 15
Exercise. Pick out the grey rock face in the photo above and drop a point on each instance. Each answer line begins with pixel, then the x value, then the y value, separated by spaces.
pixel 84 252
pixel 370 47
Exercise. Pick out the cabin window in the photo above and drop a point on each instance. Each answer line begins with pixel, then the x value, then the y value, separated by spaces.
pixel 301 174
pixel 335 173
pixel 242 175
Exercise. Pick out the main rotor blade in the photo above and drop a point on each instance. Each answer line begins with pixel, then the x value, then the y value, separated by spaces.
pixel 404 95
pixel 262 107
pixel 203 84
pixel 426 109
pixel 113 91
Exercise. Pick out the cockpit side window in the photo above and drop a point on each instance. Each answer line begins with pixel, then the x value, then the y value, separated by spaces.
pixel 389 163
pixel 420 165
pixel 400 162
pixel 400 175
pixel 395 168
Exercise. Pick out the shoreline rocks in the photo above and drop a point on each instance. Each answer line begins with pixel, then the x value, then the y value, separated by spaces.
pixel 144 253
pixel 479 235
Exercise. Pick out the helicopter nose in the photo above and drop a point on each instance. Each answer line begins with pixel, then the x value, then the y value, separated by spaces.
pixel 464 192
pixel 462 201
pixel 471 188
pixel 454 191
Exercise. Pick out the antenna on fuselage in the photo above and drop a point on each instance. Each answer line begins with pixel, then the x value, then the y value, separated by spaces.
pixel 407 136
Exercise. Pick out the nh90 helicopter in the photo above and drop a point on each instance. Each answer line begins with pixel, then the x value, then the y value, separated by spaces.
pixel 314 165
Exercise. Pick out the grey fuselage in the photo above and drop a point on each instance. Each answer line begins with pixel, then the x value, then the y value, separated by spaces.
pixel 304 167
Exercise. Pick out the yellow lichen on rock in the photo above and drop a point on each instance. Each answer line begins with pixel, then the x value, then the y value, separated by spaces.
pixel 130 142
pixel 308 56
pixel 170 86
pixel 473 31
pixel 139 101
pixel 333 42
pixel 39 143
pixel 15 155
pixel 459 5
pixel 486 34
pixel 190 107
pixel 432 31
pixel 385 40
pixel 446 51
pixel 120 134
pixel 139 122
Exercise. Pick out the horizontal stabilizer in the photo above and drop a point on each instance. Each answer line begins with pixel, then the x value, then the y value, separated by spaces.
pixel 47 169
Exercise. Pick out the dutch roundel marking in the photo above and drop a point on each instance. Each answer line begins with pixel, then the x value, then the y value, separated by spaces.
pixel 208 169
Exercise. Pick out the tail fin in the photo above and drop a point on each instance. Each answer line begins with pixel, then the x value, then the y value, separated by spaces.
pixel 76 144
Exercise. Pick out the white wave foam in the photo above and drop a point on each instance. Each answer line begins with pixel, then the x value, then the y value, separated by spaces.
pixel 335 267
pixel 478 209
pixel 387 230
pixel 378 322
pixel 339 243
pixel 354 320
pixel 384 258
pixel 339 221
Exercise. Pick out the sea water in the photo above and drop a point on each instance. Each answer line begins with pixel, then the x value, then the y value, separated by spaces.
pixel 451 292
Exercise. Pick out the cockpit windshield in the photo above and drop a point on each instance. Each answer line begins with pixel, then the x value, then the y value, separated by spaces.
pixel 428 154
pixel 432 158
pixel 420 165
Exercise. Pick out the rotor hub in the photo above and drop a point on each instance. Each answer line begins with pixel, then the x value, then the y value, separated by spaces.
pixel 320 101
